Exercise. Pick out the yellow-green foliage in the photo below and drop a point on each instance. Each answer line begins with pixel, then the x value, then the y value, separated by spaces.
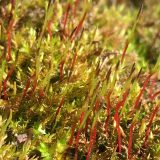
pixel 79 80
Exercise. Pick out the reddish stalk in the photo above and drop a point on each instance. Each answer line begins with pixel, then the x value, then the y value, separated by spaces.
pixel 66 16
pixel 133 29
pixel 34 87
pixel 12 5
pixel 108 109
pixel 139 73
pixel 150 124
pixel 92 140
pixel 41 92
pixel 61 69
pixel 72 64
pixel 124 51
pixel 139 12
pixel 27 85
pixel 73 61
pixel 108 74
pixel 117 119
pixel 142 91
pixel 9 33
pixel 78 136
pixel 75 7
pixel 130 140
pixel 60 106
pixel 86 124
pixel 5 82
pixel 12 2
pixel 72 33
pixel 78 28
pixel 72 136
pixel 97 104
pixel 26 88
pixel 132 70
pixel 49 28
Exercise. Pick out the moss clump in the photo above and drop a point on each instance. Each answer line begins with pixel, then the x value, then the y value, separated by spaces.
pixel 78 80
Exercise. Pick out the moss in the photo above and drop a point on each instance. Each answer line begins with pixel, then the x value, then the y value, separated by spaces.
pixel 84 80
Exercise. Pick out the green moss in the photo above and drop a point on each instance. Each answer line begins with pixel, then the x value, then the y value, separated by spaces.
pixel 70 79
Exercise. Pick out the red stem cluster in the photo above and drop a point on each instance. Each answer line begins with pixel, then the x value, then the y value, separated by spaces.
pixel 75 7
pixel 130 140
pixel 12 5
pixel 150 124
pixel 87 123
pixel 66 16
pixel 117 118
pixel 97 104
pixel 72 64
pixel 60 106
pixel 78 28
pixel 34 87
pixel 26 88
pixel 41 92
pixel 124 51
pixel 27 85
pixel 61 69
pixel 142 91
pixel 49 28
pixel 108 109
pixel 92 140
pixel 5 81
pixel 78 136
pixel 72 136
pixel 9 36
pixel 135 107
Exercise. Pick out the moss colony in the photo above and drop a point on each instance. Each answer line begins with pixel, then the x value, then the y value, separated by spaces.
pixel 79 80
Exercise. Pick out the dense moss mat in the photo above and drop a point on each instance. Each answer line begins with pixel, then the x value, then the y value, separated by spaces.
pixel 79 79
